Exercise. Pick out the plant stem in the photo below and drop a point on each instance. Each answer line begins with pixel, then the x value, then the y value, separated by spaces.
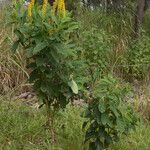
pixel 50 121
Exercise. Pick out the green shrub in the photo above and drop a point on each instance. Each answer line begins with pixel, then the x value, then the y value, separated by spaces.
pixel 96 52
pixel 49 51
pixel 107 114
pixel 137 58
pixel 45 36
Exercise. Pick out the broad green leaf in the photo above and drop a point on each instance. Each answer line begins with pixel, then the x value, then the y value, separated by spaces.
pixel 40 46
pixel 104 118
pixel 120 125
pixel 114 110
pixel 73 86
pixel 102 107
pixel 15 46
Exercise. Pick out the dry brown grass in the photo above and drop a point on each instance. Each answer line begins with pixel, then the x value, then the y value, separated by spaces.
pixel 13 72
pixel 142 101
pixel 146 103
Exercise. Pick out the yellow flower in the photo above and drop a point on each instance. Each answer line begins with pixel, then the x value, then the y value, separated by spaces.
pixel 29 9
pixel 61 8
pixel 44 6
pixel 60 5
pixel 32 2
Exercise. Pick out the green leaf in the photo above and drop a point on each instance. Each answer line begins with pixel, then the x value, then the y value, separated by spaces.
pixel 110 122
pixel 102 107
pixel 39 47
pixel 120 124
pixel 73 86
pixel 114 111
pixel 104 118
pixel 15 46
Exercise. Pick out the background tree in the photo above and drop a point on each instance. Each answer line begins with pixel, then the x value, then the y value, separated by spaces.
pixel 142 6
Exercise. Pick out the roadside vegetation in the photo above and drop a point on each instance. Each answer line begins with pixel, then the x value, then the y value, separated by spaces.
pixel 74 80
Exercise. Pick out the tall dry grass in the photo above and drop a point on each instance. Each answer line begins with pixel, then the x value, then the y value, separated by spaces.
pixel 13 72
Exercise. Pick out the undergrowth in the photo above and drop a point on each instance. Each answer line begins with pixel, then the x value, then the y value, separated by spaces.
pixel 22 127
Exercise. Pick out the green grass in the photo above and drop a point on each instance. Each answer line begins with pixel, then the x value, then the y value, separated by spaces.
pixel 23 128
pixel 136 140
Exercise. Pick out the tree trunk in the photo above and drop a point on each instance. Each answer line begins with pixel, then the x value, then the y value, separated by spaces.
pixel 139 16
pixel 147 4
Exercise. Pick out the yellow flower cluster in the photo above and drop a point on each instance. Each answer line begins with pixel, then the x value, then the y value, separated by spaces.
pixel 63 9
pixel 29 9
pixel 59 6
pixel 30 6
pixel 44 6
pixel 32 2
